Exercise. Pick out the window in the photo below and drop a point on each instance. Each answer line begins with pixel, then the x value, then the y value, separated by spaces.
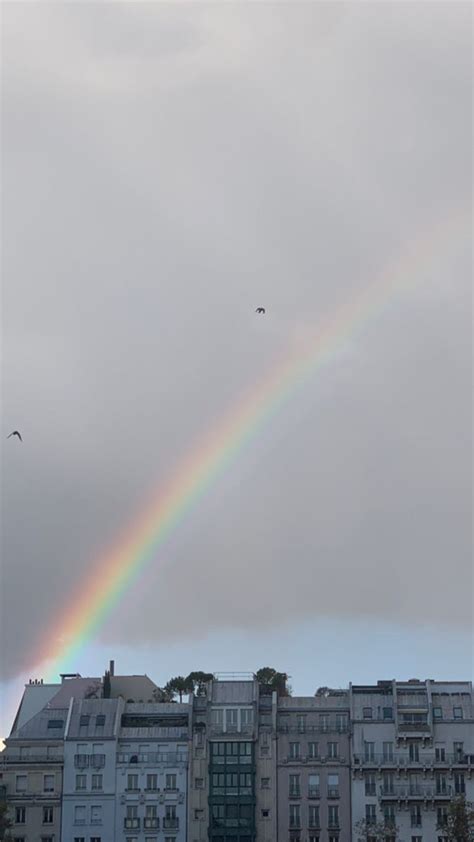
pixel 333 786
pixel 301 720
pixel 84 720
pixel 55 723
pixel 441 784
pixel 217 717
pixel 415 815
pixel 231 719
pixel 79 815
pixel 295 815
pixel 265 814
pixel 20 815
pixel 313 816
pixel 81 782
pixel 47 839
pixel 370 814
pixel 132 783
pixel 416 839
pixel 313 839
pixel 313 749
pixel 387 751
pixel 414 752
pixel 333 816
pixel 95 839
pixel 294 751
pixel 48 783
pixel 246 717
pixel 459 783
pixel 367 713
pixel 457 713
pixel 333 750
pixel 96 782
pixel 458 749
pixel 313 786
pixel 387 785
pixel 388 713
pixel 198 814
pixel 265 783
pixel 341 721
pixel 152 782
pixel 100 720
pixel 389 815
pixel 48 815
pixel 21 783
pixel 324 721
pixel 440 754
pixel 198 782
pixel 79 839
pixel 370 783
pixel 442 816
pixel 369 751
pixel 170 782
pixel 437 713
pixel 295 791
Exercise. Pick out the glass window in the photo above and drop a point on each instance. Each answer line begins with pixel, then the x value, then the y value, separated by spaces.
pixel 246 717
pixel 437 713
pixel 333 750
pixel 96 814
pixel 387 751
pixel 367 713
pixel 48 783
pixel 20 815
pixel 333 786
pixel 370 783
pixel 170 782
pixel 21 783
pixel 217 717
pixel 313 786
pixel 295 815
pixel 152 782
pixel 132 782
pixel 231 719
pixel 313 749
pixel 301 722
pixel 457 712
pixel 324 721
pixel 333 815
pixel 79 815
pixel 369 751
pixel 81 782
pixel 294 785
pixel 84 720
pixel 96 782
pixel 100 720
pixel 388 713
pixel 313 816
pixel 48 815
pixel 294 751
pixel 265 783
pixel 341 721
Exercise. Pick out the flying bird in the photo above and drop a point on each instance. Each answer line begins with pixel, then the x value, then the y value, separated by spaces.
pixel 260 310
pixel 15 433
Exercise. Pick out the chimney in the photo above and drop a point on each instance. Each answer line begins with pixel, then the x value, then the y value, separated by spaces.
pixel 111 667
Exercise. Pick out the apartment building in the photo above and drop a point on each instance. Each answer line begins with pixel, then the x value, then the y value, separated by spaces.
pixel 152 772
pixel 313 760
pixel 412 751
pixel 31 768
pixel 89 784
pixel 223 762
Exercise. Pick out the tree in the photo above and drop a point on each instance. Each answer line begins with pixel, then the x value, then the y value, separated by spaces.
pixel 376 832
pixel 459 825
pixel 179 686
pixel 269 677
pixel 198 679
pixel 5 821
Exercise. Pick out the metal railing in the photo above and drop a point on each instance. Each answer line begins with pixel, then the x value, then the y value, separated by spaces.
pixel 7 758
pixel 152 757
pixel 400 760
pixel 131 824
pixel 415 791
pixel 170 823
pixel 151 823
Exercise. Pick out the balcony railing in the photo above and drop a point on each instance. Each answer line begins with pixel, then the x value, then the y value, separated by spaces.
pixel 333 792
pixel 415 791
pixel 153 758
pixel 131 824
pixel 295 792
pixel 11 759
pixel 151 823
pixel 314 729
pixel 170 823
pixel 400 760
pixel 314 792
pixel 295 823
pixel 334 824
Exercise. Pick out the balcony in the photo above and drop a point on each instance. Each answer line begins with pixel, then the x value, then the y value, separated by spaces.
pixel 331 727
pixel 314 792
pixel 170 823
pixel 334 824
pixel 417 792
pixel 333 792
pixel 10 759
pixel 81 761
pixel 97 761
pixel 131 824
pixel 153 758
pixel 295 824
pixel 151 823
pixel 295 792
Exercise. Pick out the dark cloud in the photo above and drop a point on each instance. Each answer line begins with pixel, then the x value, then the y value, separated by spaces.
pixel 165 171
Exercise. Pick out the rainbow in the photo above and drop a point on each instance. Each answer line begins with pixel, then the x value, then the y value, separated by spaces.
pixel 115 572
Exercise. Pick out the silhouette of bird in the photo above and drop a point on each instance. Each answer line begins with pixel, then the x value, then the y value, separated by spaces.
pixel 15 433
pixel 260 310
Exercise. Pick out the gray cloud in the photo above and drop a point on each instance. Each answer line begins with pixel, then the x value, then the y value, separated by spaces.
pixel 166 169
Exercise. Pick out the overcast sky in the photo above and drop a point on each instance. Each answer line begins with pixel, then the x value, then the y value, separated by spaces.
pixel 166 169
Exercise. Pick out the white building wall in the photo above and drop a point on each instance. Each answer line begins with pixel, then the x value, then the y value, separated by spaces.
pixel 86 812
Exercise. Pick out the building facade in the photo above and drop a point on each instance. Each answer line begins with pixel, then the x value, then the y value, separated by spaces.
pixel 412 752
